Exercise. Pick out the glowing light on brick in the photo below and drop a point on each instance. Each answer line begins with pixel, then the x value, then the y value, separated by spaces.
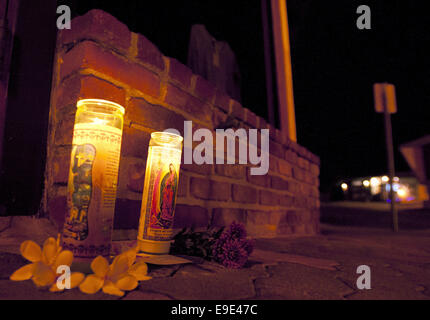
pixel 159 193
pixel 93 176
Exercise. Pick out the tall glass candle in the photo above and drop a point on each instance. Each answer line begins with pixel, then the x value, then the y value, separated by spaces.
pixel 159 193
pixel 93 177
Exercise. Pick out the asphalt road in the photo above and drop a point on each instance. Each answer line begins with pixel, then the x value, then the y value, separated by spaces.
pixel 374 215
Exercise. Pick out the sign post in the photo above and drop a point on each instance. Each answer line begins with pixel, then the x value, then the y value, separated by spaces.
pixel 385 102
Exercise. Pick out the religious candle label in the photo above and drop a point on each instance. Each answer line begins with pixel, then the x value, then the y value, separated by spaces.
pixel 92 189
pixel 159 198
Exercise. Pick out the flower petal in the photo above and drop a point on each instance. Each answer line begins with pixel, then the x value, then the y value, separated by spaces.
pixel 54 288
pixel 49 251
pixel 64 258
pixel 23 273
pixel 139 270
pixel 76 279
pixel 110 288
pixel 127 283
pixel 43 275
pixel 91 284
pixel 119 266
pixel 31 251
pixel 131 255
pixel 100 266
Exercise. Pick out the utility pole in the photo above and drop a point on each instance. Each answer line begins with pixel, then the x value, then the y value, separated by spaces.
pixel 385 102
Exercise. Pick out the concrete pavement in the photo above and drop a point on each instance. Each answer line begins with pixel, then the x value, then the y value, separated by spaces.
pixel 320 267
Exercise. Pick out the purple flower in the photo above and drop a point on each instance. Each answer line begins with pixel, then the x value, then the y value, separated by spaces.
pixel 236 231
pixel 232 249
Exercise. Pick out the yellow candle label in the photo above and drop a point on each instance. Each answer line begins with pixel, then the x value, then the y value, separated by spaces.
pixel 159 196
pixel 92 188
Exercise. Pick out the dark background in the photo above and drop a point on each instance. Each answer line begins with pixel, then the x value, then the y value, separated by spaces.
pixel 334 68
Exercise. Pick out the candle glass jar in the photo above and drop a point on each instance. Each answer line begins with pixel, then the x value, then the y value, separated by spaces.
pixel 93 176
pixel 159 193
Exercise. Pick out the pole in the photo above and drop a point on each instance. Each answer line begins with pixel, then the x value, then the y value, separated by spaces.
pixel 284 73
pixel 390 159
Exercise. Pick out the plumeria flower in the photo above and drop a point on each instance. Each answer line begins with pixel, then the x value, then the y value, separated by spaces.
pixel 122 275
pixel 44 263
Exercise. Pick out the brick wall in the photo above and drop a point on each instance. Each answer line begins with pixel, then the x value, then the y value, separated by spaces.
pixel 100 58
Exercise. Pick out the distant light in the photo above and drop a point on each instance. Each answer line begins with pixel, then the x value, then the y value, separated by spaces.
pixel 396 187
pixel 366 183
pixel 396 179
pixel 401 193
pixel 344 187
pixel 385 179
pixel 375 182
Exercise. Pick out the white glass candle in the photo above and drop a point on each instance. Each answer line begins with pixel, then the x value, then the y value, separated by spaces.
pixel 93 178
pixel 159 193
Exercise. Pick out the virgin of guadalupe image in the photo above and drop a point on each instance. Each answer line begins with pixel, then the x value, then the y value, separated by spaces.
pixel 163 198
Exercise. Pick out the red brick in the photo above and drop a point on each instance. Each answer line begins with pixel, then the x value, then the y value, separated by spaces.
pixel 135 142
pixel 127 214
pixel 298 174
pixel 182 100
pixel 279 183
pixel 255 217
pixel 222 217
pixel 293 187
pixel 222 101
pixel 190 216
pixel 272 132
pixel 136 176
pixel 251 118
pixel 286 201
pixel 180 73
pixel 204 169
pixel 263 181
pixel 206 189
pixel 244 194
pixel 262 123
pixel 88 55
pixel 303 163
pixel 219 117
pixel 64 126
pixel 315 170
pixel 61 164
pixel 291 218
pixel 235 171
pixel 153 116
pixel 237 110
pixel 299 229
pixel 273 164
pixel 276 149
pixel 183 185
pixel 57 210
pixel 269 198
pixel 204 89
pixel 285 168
pixel 149 53
pixel 99 26
pixel 79 87
pixel 291 156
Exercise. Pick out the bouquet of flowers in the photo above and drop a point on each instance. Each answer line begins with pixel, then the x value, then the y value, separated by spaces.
pixel 229 247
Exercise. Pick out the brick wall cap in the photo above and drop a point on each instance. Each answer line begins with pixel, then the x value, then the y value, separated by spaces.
pixel 99 26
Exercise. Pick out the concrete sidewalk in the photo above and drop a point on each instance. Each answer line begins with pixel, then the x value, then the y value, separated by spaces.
pixel 321 267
